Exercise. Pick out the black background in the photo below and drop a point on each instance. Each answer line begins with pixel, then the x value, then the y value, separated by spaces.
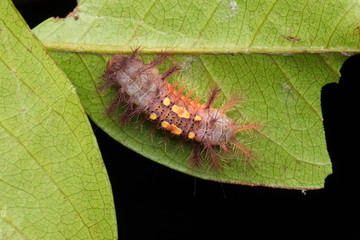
pixel 156 202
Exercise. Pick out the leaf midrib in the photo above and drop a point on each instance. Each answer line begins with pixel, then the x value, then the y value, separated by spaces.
pixel 116 49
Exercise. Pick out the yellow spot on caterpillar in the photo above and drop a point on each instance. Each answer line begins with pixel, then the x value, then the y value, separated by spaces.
pixel 164 124
pixel 175 108
pixel 166 101
pixel 197 118
pixel 174 129
pixel 183 113
pixel 191 135
pixel 153 116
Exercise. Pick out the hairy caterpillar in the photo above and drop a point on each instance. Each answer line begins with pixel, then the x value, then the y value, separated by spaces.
pixel 141 90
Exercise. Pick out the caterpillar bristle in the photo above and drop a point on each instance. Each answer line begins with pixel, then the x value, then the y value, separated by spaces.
pixel 214 93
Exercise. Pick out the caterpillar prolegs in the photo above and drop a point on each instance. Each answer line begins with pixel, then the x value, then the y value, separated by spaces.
pixel 142 90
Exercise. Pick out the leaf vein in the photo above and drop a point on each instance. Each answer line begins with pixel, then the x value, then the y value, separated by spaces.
pixel 295 89
pixel 41 166
pixel 339 20
pixel 262 24
pixel 197 39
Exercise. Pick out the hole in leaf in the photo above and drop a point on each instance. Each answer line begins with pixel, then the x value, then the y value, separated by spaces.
pixel 36 11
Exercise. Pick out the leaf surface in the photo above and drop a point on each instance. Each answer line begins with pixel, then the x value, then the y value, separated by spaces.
pixel 53 183
pixel 219 26
pixel 283 91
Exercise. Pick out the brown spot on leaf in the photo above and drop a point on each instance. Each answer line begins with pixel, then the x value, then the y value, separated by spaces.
pixel 291 38
pixel 357 30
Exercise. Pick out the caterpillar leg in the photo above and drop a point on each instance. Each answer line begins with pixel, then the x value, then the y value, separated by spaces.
pixel 120 97
pixel 249 128
pixel 135 52
pixel 234 101
pixel 157 61
pixel 172 70
pixel 242 152
pixel 132 111
pixel 195 158
pixel 214 92
pixel 211 154
pixel 107 82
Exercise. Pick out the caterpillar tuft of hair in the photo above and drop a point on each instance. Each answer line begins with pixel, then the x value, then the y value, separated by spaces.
pixel 141 90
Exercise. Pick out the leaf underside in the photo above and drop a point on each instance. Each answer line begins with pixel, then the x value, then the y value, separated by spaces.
pixel 282 91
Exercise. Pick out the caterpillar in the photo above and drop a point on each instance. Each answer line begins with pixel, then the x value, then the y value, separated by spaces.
pixel 142 90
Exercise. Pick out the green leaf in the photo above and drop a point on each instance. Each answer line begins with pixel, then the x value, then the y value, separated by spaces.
pixel 53 183
pixel 282 90
pixel 214 26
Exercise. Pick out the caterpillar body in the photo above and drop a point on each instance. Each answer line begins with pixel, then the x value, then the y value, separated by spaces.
pixel 142 90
